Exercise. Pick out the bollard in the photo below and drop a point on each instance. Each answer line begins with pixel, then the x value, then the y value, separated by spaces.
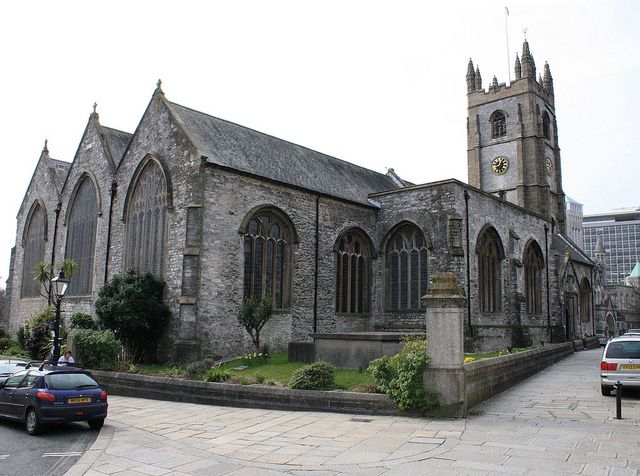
pixel 618 400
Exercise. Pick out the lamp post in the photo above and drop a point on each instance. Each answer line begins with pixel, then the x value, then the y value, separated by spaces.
pixel 59 285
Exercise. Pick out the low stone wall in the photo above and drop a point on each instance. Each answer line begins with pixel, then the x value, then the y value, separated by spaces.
pixel 487 377
pixel 354 350
pixel 246 396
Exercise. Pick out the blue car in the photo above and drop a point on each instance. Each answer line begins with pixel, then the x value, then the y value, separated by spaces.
pixel 52 394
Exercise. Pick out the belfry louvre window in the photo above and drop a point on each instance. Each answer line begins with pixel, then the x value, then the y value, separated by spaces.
pixel 546 126
pixel 147 221
pixel 81 237
pixel 352 274
pixel 498 124
pixel 533 264
pixel 490 255
pixel 33 252
pixel 266 259
pixel 406 269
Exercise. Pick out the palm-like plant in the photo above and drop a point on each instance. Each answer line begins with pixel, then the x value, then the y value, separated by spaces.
pixel 43 275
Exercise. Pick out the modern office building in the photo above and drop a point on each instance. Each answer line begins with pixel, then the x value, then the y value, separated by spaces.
pixel 620 231
pixel 574 221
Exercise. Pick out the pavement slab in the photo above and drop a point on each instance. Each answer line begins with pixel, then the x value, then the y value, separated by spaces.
pixel 555 422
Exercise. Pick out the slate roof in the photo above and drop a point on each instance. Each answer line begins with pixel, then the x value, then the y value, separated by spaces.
pixel 60 170
pixel 118 142
pixel 560 243
pixel 237 147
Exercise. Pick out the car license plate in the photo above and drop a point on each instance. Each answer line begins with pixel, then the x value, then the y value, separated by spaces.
pixel 630 366
pixel 79 400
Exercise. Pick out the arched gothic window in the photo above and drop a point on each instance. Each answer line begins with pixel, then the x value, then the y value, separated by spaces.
pixel 352 273
pixel 33 251
pixel 498 124
pixel 81 237
pixel 147 221
pixel 585 300
pixel 546 126
pixel 533 264
pixel 267 249
pixel 406 268
pixel 490 254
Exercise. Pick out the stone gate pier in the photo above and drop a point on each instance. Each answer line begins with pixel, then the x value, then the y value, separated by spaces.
pixel 445 374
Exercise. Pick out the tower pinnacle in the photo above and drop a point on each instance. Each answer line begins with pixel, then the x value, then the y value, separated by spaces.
pixel 478 79
pixel 528 65
pixel 471 77
pixel 547 80
pixel 518 68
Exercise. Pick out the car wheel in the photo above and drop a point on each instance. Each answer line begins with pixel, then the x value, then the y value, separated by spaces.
pixel 606 391
pixel 96 424
pixel 32 422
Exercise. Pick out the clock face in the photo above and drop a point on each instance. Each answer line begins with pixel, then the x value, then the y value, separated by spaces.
pixel 548 165
pixel 499 165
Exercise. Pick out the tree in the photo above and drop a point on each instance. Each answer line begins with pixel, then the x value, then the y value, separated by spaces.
pixel 131 305
pixel 253 315
pixel 43 275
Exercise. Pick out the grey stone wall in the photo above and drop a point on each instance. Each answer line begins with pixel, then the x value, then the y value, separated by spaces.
pixel 159 137
pixel 90 160
pixel 42 188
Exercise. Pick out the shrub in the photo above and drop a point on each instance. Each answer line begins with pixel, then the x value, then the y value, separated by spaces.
pixel 16 351
pixel 46 315
pixel 401 376
pixel 216 374
pixel 131 305
pixel 317 376
pixel 38 342
pixel 3 332
pixel 5 343
pixel 198 369
pixel 82 320
pixel 21 336
pixel 99 350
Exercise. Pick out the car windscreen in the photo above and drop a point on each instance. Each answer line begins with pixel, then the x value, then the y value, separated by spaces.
pixel 11 367
pixel 623 350
pixel 69 381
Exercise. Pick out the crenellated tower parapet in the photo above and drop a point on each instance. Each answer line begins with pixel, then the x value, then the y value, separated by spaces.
pixel 516 122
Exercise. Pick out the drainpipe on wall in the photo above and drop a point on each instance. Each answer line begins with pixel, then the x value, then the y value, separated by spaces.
pixel 466 211
pixel 593 303
pixel 53 251
pixel 114 189
pixel 315 278
pixel 546 258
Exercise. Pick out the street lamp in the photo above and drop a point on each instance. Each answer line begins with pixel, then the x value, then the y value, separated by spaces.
pixel 59 285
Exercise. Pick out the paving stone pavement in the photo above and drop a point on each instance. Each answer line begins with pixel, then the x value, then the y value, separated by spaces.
pixel 556 422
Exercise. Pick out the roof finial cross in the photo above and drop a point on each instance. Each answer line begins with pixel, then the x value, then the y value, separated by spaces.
pixel 159 84
pixel 95 105
pixel 524 30
pixel 46 143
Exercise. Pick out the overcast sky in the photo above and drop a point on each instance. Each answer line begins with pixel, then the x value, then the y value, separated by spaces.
pixel 379 84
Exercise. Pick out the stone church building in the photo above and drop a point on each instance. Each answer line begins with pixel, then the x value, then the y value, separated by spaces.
pixel 221 212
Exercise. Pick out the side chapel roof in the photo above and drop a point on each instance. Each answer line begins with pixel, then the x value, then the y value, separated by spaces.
pixel 560 244
pixel 117 141
pixel 246 150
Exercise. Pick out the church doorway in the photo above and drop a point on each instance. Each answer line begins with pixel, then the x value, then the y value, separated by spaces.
pixel 571 311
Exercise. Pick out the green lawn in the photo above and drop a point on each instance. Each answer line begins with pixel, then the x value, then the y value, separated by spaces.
pixel 280 370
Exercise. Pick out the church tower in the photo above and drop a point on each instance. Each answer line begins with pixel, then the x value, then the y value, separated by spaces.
pixel 512 139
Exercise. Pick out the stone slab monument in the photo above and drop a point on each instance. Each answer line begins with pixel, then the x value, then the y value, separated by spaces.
pixel 445 303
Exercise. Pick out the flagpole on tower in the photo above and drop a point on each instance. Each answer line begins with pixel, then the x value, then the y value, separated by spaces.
pixel 506 31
